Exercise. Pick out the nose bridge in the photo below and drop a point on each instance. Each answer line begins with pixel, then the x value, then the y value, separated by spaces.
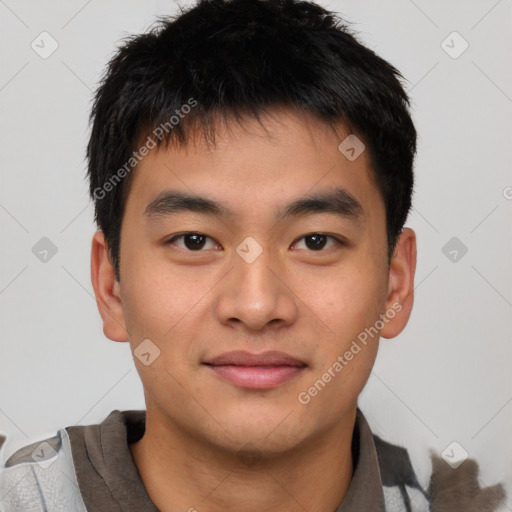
pixel 253 293
pixel 255 279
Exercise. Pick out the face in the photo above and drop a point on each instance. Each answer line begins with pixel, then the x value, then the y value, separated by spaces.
pixel 252 265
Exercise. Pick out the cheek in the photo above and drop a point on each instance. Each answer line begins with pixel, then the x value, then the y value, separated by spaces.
pixel 156 296
pixel 347 350
pixel 348 300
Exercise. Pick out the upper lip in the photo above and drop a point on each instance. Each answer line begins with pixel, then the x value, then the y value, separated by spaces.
pixel 243 358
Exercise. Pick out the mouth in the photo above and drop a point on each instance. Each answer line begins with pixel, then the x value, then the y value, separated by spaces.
pixel 256 371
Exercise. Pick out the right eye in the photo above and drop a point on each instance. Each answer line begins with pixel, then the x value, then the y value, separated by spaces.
pixel 192 242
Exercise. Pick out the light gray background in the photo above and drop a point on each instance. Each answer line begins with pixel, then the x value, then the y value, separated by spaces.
pixel 445 378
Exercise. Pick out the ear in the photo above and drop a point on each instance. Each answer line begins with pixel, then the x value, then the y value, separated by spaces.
pixel 401 284
pixel 107 290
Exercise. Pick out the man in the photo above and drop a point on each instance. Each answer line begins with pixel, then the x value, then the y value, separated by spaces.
pixel 251 167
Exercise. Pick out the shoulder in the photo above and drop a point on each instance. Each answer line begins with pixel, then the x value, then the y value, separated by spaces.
pixel 399 481
pixel 53 474
pixel 41 476
pixel 449 487
pixel 41 452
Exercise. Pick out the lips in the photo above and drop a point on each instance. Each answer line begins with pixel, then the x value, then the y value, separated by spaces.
pixel 255 371
pixel 242 358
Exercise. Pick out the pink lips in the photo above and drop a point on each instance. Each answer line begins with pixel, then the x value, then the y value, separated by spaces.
pixel 256 371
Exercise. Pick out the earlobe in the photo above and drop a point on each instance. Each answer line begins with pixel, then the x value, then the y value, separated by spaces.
pixel 107 290
pixel 400 284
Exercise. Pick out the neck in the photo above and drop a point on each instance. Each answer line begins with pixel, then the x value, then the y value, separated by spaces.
pixel 184 474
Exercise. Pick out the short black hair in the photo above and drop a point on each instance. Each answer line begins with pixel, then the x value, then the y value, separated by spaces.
pixel 227 59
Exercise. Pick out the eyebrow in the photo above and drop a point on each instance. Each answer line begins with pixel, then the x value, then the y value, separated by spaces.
pixel 337 201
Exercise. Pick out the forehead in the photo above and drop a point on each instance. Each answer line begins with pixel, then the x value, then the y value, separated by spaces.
pixel 253 164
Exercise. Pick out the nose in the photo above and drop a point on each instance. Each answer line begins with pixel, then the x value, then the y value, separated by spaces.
pixel 256 295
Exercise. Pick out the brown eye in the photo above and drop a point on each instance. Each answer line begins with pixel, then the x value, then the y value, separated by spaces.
pixel 194 242
pixel 317 242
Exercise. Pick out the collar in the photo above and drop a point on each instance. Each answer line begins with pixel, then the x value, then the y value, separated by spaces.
pixel 109 479
pixel 365 489
pixel 106 472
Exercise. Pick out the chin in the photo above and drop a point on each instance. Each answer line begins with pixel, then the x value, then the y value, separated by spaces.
pixel 247 442
pixel 270 431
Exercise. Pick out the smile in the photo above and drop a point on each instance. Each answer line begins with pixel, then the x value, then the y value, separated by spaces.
pixel 256 371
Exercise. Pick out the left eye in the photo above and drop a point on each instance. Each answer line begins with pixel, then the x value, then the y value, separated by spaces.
pixel 318 242
pixel 192 241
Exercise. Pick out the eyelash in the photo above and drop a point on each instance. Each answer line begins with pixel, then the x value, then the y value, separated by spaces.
pixel 337 241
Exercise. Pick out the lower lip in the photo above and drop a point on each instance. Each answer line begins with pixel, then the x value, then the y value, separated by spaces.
pixel 257 377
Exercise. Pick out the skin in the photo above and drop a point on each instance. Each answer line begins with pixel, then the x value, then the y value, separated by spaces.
pixel 210 445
